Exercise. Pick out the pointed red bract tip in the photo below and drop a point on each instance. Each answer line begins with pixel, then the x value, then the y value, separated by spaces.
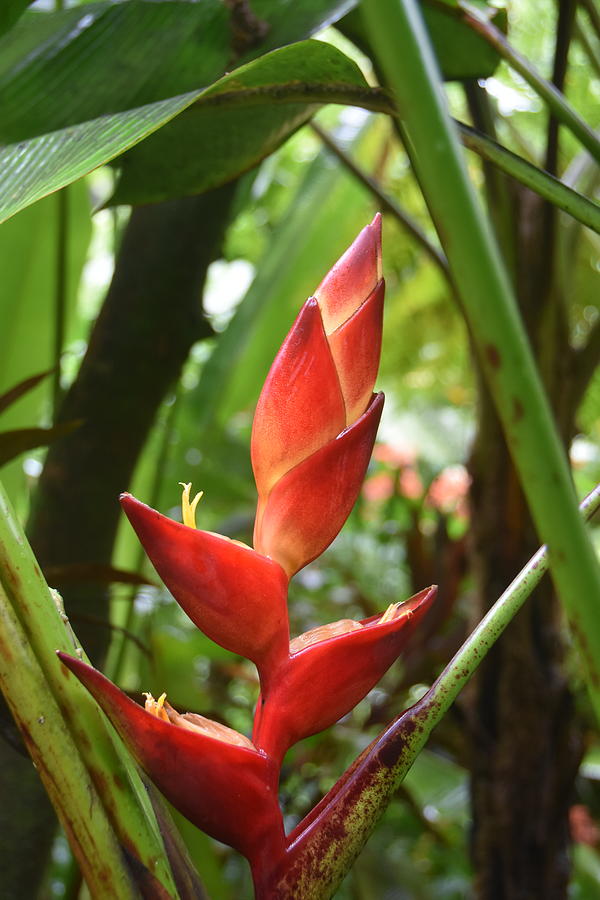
pixel 233 594
pixel 228 791
pixel 347 665
pixel 354 276
pixel 356 348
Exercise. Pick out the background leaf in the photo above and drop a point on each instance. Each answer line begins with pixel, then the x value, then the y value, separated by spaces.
pixel 28 264
pixel 238 121
pixel 460 52
pixel 10 10
pixel 32 169
pixel 67 67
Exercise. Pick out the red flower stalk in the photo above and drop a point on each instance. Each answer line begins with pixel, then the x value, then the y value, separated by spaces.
pixel 312 438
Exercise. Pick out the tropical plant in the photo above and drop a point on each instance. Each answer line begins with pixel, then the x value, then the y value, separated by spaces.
pixel 231 134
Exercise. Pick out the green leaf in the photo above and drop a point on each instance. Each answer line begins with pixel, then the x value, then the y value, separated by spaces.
pixel 28 260
pixel 461 53
pixel 89 69
pixel 10 10
pixel 35 168
pixel 63 68
pixel 238 121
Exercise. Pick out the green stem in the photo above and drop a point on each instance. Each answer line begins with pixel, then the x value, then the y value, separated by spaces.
pixel 324 846
pixel 465 661
pixel 60 294
pixel 554 99
pixel 547 186
pixel 489 305
pixel 588 48
pixel 45 629
pixel 58 761
pixel 592 11
pixel 387 203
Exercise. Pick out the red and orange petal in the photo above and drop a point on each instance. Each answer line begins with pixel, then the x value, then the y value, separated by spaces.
pixel 228 791
pixel 301 406
pixel 356 348
pixel 321 683
pixel 308 506
pixel 237 597
pixel 354 276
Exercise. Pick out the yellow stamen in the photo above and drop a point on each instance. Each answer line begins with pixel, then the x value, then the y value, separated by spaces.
pixel 189 508
pixel 392 613
pixel 194 722
pixel 156 707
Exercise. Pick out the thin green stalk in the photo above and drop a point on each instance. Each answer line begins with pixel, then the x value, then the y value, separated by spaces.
pixel 547 186
pixel 387 203
pixel 116 660
pixel 588 48
pixel 554 99
pixel 594 14
pixel 45 629
pixel 60 294
pixel 58 761
pixel 335 832
pixel 498 335
pixel 465 661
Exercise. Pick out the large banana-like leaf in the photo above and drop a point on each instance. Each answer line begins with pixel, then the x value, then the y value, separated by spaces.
pixel 64 68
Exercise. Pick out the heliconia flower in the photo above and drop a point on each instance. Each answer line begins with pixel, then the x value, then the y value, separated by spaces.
pixel 329 670
pixel 236 596
pixel 316 418
pixel 307 507
pixel 214 776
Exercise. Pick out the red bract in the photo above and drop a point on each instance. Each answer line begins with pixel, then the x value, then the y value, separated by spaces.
pixel 233 594
pixel 315 421
pixel 322 681
pixel 228 791
pixel 307 506
pixel 312 438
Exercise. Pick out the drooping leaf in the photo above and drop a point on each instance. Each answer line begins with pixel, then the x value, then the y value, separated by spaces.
pixel 34 168
pixel 78 573
pixel 63 68
pixel 13 394
pixel 13 443
pixel 238 121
